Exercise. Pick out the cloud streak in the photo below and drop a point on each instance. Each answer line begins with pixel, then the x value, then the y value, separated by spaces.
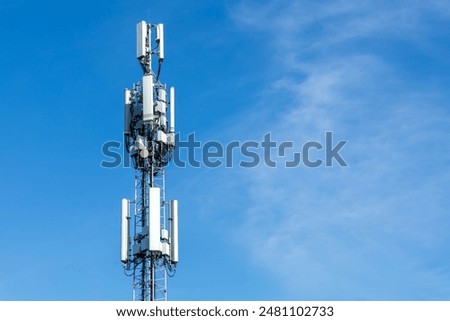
pixel 378 229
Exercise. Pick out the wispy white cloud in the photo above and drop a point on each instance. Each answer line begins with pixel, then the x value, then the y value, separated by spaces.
pixel 377 229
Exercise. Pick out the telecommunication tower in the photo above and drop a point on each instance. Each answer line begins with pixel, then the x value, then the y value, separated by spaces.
pixel 149 224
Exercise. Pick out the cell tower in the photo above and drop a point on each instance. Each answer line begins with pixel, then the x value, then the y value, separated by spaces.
pixel 149 236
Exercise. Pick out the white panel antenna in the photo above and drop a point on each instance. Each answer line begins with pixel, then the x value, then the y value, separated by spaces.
pixel 174 231
pixel 142 39
pixel 127 112
pixel 125 231
pixel 147 90
pixel 154 219
pixel 160 40
pixel 172 110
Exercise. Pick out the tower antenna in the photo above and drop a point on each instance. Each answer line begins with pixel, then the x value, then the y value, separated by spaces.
pixel 149 231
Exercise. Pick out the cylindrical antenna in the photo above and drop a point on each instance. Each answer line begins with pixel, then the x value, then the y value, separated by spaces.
pixel 125 230
pixel 172 110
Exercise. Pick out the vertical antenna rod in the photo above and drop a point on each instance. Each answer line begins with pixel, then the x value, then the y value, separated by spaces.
pixel 149 250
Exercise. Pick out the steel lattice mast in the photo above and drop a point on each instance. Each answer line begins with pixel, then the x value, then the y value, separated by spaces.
pixel 149 240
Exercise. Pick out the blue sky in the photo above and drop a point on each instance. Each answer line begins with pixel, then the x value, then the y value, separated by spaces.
pixel 375 74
